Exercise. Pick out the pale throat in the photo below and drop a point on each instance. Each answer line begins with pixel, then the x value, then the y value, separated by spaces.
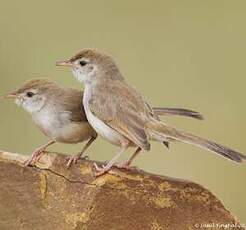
pixel 30 106
pixel 86 77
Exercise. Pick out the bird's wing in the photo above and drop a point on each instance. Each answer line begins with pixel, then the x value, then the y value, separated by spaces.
pixel 71 102
pixel 122 109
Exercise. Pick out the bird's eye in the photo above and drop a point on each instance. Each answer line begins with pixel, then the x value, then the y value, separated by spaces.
pixel 82 63
pixel 29 94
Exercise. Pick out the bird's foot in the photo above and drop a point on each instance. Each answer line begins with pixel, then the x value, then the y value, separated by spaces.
pixel 123 165
pixel 74 159
pixel 101 169
pixel 34 157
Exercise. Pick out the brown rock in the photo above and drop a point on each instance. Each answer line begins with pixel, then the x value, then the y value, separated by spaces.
pixel 50 196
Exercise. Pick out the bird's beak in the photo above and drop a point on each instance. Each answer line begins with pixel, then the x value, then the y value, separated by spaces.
pixel 12 95
pixel 67 63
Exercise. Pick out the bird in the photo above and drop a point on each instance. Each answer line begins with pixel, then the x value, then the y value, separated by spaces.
pixel 59 113
pixel 120 114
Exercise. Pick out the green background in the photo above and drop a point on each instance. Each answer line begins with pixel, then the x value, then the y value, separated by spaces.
pixel 177 53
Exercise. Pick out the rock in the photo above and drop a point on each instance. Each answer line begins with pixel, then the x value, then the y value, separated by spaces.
pixel 51 196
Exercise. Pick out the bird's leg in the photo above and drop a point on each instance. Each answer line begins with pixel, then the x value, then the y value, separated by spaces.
pixel 37 153
pixel 126 164
pixel 108 166
pixel 73 159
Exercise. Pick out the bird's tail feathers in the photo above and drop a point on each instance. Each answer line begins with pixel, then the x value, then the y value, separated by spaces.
pixel 178 111
pixel 160 132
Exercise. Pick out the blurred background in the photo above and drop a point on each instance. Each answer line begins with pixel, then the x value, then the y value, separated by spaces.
pixel 177 53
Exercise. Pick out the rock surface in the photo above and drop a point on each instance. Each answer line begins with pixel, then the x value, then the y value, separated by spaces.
pixel 50 196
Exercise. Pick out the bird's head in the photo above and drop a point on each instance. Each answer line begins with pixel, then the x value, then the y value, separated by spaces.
pixel 90 66
pixel 33 94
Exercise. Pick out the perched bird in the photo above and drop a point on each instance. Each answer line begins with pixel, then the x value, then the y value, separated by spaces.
pixel 121 115
pixel 59 113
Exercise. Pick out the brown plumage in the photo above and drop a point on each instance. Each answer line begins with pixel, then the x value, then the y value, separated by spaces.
pixel 68 98
pixel 179 112
pixel 121 115
pixel 62 117
pixel 58 112
pixel 86 53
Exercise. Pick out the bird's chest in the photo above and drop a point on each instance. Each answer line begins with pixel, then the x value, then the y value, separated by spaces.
pixel 49 122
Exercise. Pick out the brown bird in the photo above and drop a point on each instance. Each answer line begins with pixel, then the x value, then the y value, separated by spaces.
pixel 59 113
pixel 121 115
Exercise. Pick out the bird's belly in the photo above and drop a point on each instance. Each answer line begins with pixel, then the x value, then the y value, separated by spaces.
pixel 104 130
pixel 61 129
pixel 47 123
pixel 74 133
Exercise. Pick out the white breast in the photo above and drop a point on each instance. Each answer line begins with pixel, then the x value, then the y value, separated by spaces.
pixel 100 127
pixel 50 122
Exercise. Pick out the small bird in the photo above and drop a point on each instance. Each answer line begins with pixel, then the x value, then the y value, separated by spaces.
pixel 59 113
pixel 121 115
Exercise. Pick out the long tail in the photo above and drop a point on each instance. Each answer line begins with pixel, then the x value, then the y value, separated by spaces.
pixel 160 132
pixel 178 111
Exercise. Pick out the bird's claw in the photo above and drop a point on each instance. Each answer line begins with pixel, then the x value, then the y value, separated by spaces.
pixel 74 159
pixel 104 168
pixel 28 162
pixel 101 169
pixel 34 157
pixel 71 160
pixel 123 165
